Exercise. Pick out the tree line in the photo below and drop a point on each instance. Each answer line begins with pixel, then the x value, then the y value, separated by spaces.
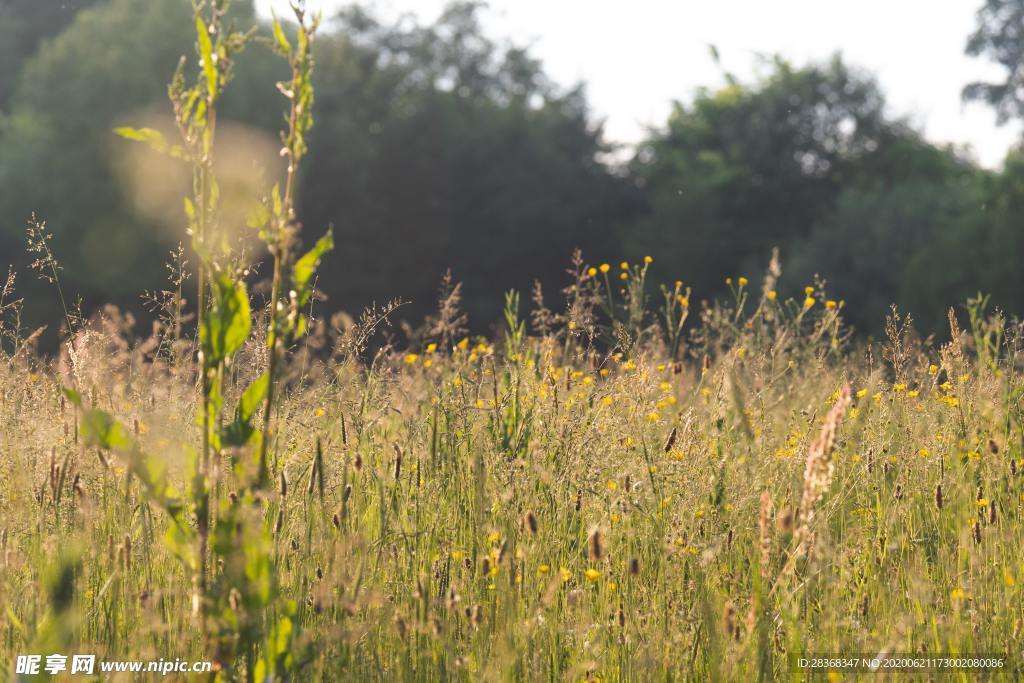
pixel 437 146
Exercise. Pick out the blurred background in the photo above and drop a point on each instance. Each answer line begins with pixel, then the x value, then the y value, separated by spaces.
pixel 876 144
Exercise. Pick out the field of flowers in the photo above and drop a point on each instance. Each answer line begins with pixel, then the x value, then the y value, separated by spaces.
pixel 626 485
pixel 529 506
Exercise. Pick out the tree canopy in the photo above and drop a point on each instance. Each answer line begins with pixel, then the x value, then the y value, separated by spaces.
pixel 999 35
pixel 437 146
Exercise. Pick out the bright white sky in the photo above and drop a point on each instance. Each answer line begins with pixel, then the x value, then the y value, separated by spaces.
pixel 638 55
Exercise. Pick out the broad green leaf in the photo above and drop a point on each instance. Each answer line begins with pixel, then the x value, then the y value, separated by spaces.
pixel 154 138
pixel 179 539
pixel 241 432
pixel 275 199
pixel 227 326
pixel 305 267
pixel 71 395
pixel 253 396
pixel 103 431
pixel 279 37
pixel 258 216
pixel 150 136
pixel 206 54
pixel 283 635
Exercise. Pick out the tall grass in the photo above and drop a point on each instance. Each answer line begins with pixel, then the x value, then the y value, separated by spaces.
pixel 603 491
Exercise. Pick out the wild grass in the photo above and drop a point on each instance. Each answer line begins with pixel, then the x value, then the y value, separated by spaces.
pixel 607 490
pixel 533 507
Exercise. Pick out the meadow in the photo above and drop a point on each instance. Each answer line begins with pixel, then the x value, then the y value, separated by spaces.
pixel 628 484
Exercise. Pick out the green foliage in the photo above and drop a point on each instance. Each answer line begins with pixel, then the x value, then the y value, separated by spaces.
pixel 153 138
pixel 228 321
pixel 241 432
pixel 997 36
pixel 24 24
pixel 306 266
pixel 488 166
pixel 747 168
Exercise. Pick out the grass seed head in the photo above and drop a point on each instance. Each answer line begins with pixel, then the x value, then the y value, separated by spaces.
pixel 594 545
pixel 530 521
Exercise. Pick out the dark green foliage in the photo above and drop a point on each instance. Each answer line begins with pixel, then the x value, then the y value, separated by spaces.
pixel 747 168
pixel 24 24
pixel 60 157
pixel 999 36
pixel 905 239
pixel 436 146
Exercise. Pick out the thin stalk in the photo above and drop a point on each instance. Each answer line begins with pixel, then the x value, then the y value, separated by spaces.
pixel 205 173
pixel 280 259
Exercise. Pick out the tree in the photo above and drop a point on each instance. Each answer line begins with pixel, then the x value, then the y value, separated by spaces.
pixel 62 160
pixel 914 241
pixel 999 35
pixel 749 167
pixel 435 147
pixel 24 24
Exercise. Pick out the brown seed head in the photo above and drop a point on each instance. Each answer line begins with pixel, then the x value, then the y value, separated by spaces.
pixel 596 548
pixel 530 522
